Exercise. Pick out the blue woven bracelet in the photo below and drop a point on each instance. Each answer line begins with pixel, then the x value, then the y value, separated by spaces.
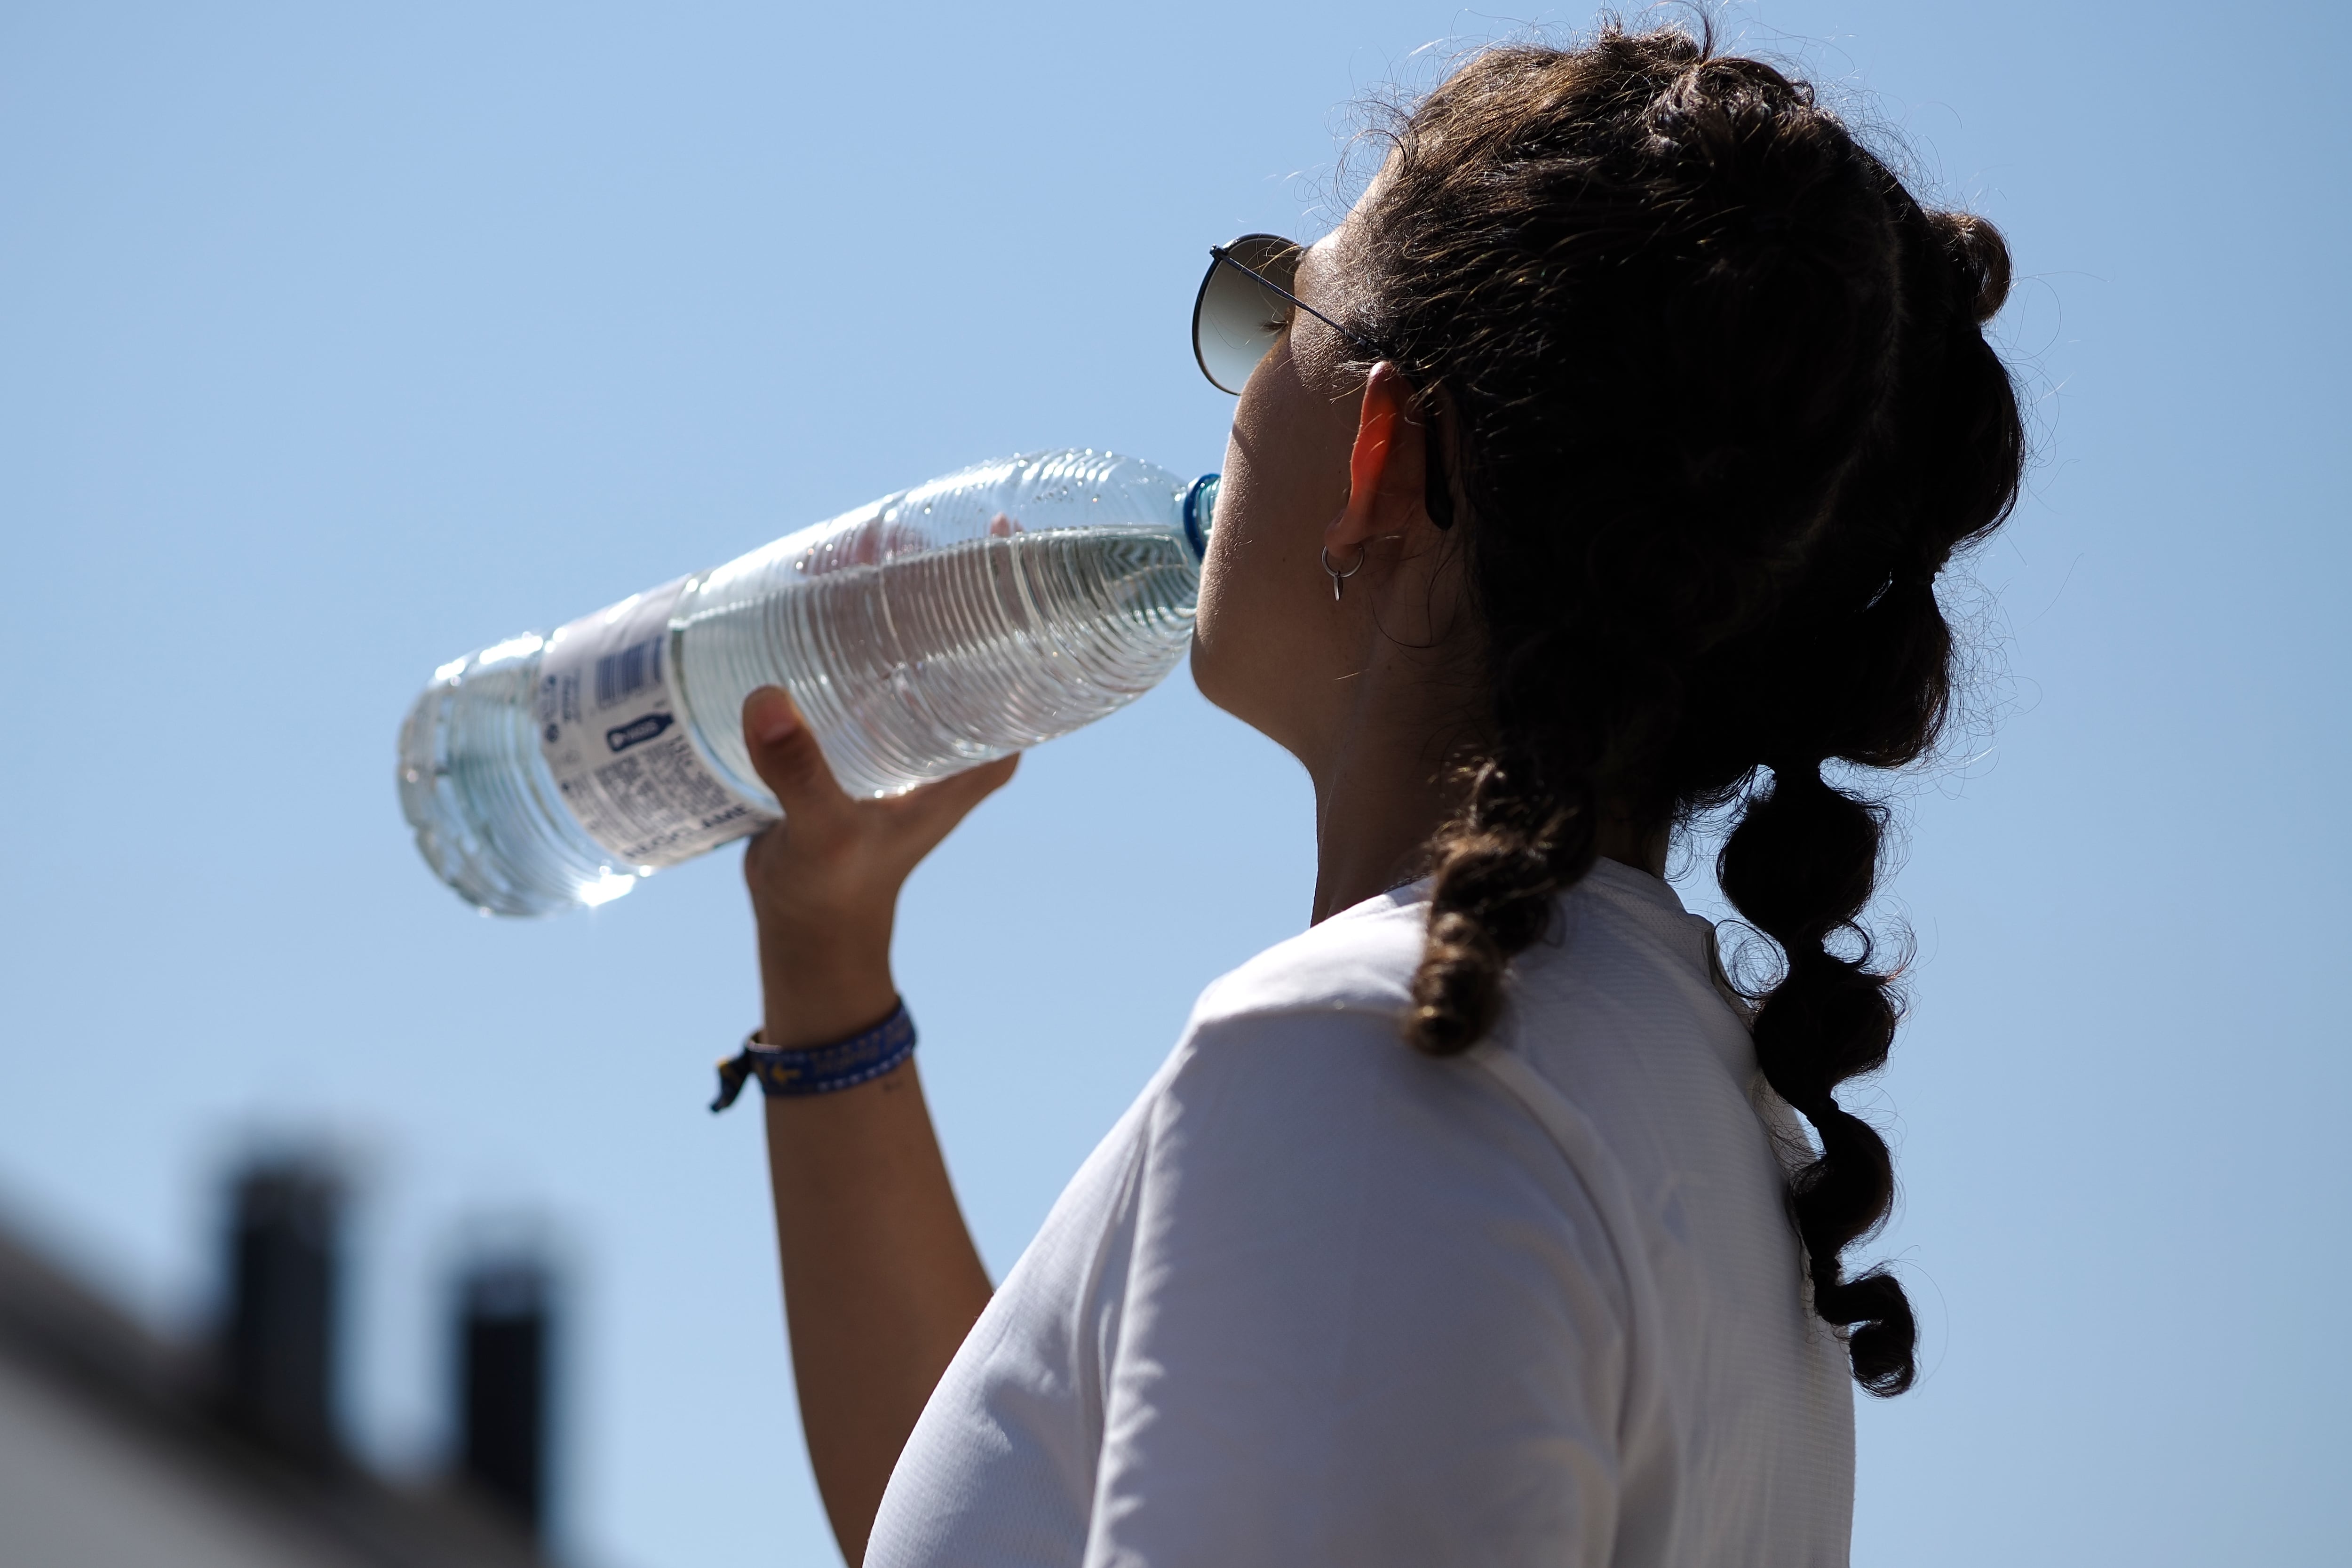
pixel 818 1070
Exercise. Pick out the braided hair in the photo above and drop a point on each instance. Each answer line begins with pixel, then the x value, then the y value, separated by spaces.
pixel 1714 407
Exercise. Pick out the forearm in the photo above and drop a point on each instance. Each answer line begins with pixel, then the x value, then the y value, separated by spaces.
pixel 881 1279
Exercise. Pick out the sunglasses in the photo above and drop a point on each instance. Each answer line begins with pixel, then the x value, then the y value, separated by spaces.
pixel 1245 303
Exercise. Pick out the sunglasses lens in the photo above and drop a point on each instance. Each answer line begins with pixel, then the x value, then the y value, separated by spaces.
pixel 1236 318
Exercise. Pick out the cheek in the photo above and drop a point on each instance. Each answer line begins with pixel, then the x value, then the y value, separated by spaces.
pixel 1245 641
pixel 1221 655
pixel 1255 638
pixel 1285 477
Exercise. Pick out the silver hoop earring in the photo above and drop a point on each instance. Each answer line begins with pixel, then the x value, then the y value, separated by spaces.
pixel 1338 576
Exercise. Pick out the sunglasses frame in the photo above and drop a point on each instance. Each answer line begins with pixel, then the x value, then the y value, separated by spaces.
pixel 1223 256
pixel 1439 492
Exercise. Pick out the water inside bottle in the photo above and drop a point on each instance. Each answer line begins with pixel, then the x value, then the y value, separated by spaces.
pixel 913 668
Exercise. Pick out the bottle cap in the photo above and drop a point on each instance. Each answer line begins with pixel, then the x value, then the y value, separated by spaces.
pixel 1201 513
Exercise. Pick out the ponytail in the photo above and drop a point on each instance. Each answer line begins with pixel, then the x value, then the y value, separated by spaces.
pixel 1800 866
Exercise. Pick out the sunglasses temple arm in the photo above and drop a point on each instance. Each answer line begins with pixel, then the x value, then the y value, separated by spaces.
pixel 1221 254
pixel 1437 489
pixel 1438 492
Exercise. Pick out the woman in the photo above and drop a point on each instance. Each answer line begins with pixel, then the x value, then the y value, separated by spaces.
pixel 1597 479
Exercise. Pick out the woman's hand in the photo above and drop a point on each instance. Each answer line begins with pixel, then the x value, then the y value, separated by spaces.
pixel 824 881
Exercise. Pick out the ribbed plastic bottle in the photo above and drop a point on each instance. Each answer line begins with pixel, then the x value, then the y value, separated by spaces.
pixel 921 634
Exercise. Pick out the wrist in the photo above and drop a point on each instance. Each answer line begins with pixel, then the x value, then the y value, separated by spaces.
pixel 796 1072
pixel 819 986
pixel 792 924
pixel 793 1020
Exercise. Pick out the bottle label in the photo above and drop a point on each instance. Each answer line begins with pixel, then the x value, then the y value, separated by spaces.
pixel 618 747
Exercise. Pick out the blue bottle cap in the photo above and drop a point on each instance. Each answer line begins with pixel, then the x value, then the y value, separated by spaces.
pixel 1201 513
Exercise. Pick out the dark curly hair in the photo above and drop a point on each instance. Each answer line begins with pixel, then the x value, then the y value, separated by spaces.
pixel 1715 408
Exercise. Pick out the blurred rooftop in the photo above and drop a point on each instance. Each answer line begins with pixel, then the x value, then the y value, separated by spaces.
pixel 119 1447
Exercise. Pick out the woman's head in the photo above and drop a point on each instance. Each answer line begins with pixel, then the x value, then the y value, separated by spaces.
pixel 1715 408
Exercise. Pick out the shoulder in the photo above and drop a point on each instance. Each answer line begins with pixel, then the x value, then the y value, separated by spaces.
pixel 1302 1037
pixel 1346 1261
pixel 1358 961
pixel 1294 1078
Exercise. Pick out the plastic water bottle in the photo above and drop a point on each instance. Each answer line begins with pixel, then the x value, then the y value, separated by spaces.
pixel 921 634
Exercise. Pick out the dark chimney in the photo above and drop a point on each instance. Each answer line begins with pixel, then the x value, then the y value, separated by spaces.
pixel 503 1354
pixel 280 1341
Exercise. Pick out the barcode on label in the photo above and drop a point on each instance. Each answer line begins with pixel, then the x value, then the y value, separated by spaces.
pixel 627 672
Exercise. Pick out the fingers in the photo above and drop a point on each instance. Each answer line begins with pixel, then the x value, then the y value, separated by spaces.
pixel 789 761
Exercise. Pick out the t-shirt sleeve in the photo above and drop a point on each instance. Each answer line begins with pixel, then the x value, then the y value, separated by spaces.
pixel 1370 1318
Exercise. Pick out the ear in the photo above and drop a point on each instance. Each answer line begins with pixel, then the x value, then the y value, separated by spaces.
pixel 1387 470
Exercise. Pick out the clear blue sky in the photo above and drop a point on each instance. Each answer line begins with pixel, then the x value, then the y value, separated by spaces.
pixel 338 340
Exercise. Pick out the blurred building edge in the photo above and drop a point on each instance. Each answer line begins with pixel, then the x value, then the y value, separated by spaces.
pixel 120 1450
pixel 504 1328
pixel 278 1343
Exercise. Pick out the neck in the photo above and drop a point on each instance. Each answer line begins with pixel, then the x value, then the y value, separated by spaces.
pixel 1381 792
pixel 1372 828
pixel 1380 756
pixel 1380 785
pixel 1377 804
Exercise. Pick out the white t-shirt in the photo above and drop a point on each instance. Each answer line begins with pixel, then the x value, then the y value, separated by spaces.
pixel 1321 1299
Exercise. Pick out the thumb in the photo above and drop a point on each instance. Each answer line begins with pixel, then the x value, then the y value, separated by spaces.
pixel 789 761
